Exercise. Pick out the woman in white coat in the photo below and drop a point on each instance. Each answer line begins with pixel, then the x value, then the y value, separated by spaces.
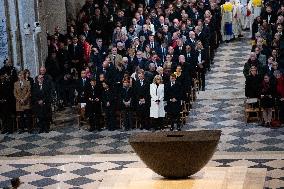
pixel 157 109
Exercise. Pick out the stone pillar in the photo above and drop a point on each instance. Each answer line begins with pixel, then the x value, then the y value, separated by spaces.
pixel 73 7
pixel 55 12
pixel 42 37
pixel 15 45
pixel 26 10
pixel 3 34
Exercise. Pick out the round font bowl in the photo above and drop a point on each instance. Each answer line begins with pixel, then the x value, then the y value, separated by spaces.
pixel 176 154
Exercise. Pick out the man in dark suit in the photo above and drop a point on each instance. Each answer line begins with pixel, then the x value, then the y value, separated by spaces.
pixel 191 40
pixel 126 101
pixel 268 15
pixel 162 52
pixel 7 104
pixel 179 49
pixel 81 84
pixel 76 54
pixel 109 106
pixel 140 61
pixel 201 64
pixel 145 31
pixel 201 36
pixel 109 73
pixel 90 37
pixel 153 44
pixel 173 97
pixel 191 59
pixel 142 100
pixel 93 107
pixel 42 103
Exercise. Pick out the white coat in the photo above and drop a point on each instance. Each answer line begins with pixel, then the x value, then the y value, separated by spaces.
pixel 157 93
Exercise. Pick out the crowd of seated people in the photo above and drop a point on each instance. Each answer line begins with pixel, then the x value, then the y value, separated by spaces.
pixel 138 57
pixel 265 66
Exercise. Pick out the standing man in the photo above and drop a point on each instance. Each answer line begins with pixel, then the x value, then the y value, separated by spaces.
pixel 81 85
pixel 142 100
pixel 42 104
pixel 93 107
pixel 108 105
pixel 126 101
pixel 76 53
pixel 6 104
pixel 173 98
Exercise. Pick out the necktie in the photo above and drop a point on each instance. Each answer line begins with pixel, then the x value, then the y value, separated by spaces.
pixel 141 82
pixel 84 80
pixel 113 58
pixel 152 45
pixel 40 86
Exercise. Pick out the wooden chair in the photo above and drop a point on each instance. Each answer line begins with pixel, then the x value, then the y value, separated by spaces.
pixel 81 109
pixel 252 109
pixel 33 119
pixel 183 114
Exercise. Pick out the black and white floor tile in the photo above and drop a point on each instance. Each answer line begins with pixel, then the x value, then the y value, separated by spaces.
pixel 89 171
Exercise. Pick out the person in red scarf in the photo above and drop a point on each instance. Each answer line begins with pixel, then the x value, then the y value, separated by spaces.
pixel 87 49
pixel 280 93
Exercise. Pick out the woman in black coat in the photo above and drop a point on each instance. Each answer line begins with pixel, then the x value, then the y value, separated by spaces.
pixel 252 88
pixel 267 92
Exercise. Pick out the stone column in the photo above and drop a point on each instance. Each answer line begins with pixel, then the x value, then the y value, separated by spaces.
pixel 26 11
pixel 3 33
pixel 55 12
pixel 73 7
pixel 15 45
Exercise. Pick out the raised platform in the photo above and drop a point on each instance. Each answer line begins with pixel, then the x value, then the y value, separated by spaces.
pixel 210 177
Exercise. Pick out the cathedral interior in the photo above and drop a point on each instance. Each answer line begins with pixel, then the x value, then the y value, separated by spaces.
pixel 82 57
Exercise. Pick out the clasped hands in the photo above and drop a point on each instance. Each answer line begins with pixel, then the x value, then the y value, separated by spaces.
pixel 173 100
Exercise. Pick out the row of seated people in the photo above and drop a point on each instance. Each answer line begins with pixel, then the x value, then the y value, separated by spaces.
pixel 265 67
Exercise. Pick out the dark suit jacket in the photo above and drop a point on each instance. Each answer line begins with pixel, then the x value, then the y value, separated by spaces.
pixel 178 52
pixel 108 96
pixel 125 96
pixel 77 54
pixel 273 17
pixel 43 110
pixel 162 54
pixel 143 64
pixel 81 89
pixel 142 92
pixel 92 105
pixel 174 91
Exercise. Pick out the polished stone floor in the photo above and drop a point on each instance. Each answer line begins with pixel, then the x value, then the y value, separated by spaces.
pixel 80 159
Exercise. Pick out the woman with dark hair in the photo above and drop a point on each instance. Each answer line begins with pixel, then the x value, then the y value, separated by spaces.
pixel 27 76
pixel 252 87
pixel 267 93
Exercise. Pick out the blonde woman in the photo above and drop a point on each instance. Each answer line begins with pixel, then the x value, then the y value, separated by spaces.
pixel 157 109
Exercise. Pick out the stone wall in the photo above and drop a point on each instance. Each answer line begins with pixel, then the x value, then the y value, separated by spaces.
pixel 73 7
pixel 3 34
pixel 27 47
pixel 55 13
